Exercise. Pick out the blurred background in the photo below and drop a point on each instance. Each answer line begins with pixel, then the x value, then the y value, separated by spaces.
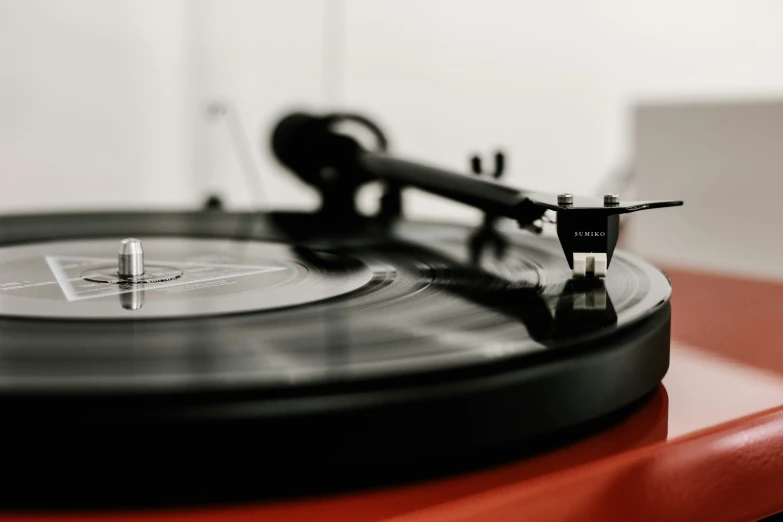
pixel 113 104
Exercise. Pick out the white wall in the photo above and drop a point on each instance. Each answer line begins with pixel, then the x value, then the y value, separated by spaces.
pixel 93 104
pixel 103 102
pixel 260 59
pixel 94 92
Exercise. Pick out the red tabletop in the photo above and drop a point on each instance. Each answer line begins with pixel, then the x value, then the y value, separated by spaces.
pixel 707 445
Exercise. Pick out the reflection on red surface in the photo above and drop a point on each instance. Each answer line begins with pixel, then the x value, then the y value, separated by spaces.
pixel 730 473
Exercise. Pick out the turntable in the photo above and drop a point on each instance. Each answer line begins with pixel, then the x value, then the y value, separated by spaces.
pixel 325 351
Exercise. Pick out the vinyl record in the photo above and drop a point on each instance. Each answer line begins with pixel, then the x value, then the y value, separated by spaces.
pixel 363 355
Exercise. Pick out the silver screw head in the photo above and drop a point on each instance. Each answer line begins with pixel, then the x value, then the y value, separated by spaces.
pixel 611 200
pixel 130 258
pixel 565 199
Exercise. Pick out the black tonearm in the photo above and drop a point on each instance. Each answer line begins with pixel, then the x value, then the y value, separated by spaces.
pixel 337 165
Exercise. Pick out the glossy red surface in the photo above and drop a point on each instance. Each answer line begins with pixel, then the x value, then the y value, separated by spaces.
pixel 705 446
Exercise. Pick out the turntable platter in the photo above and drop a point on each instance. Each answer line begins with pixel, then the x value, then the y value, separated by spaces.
pixel 411 343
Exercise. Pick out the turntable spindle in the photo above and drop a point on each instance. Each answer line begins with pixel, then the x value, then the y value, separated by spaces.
pixel 131 258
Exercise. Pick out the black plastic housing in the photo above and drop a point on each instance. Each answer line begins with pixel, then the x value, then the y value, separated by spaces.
pixel 588 231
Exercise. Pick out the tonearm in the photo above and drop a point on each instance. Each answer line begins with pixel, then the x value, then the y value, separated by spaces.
pixel 337 165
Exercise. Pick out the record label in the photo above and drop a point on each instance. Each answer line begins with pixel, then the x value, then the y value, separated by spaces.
pixel 185 277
